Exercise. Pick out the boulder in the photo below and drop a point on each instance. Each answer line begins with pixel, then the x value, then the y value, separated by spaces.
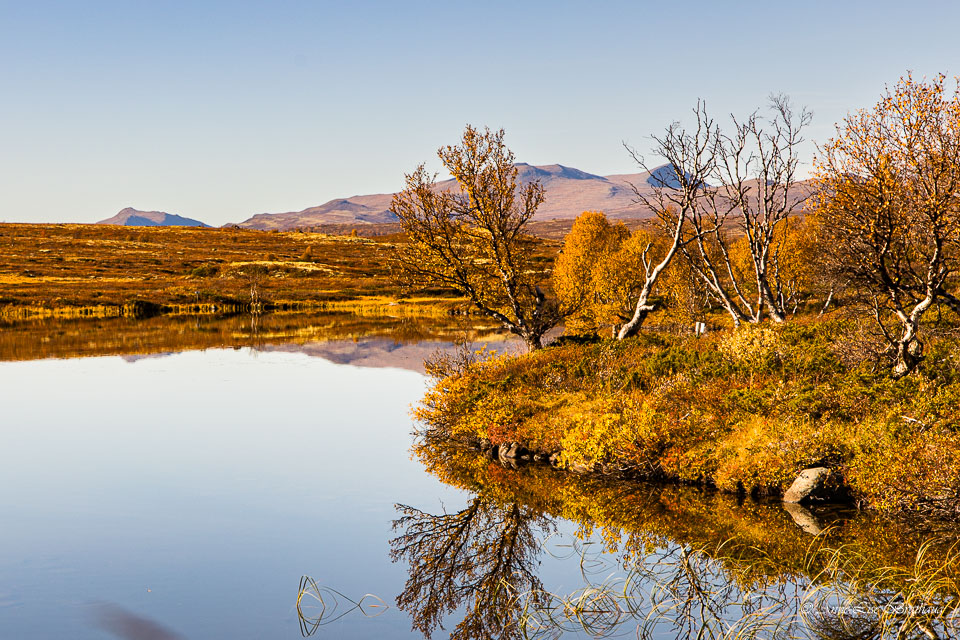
pixel 815 484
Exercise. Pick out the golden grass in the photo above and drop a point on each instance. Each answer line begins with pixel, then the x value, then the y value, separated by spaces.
pixel 69 270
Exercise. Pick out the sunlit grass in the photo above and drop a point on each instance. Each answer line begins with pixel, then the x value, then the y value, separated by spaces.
pixel 73 270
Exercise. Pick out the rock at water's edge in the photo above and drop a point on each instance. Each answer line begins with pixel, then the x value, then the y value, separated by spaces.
pixel 817 483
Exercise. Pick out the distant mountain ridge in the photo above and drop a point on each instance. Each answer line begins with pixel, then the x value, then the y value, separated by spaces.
pixel 135 218
pixel 569 192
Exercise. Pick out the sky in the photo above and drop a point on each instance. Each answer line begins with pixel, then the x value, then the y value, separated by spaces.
pixel 221 110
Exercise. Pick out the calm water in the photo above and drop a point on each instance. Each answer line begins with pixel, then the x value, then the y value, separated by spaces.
pixel 184 495
pixel 195 490
pixel 191 491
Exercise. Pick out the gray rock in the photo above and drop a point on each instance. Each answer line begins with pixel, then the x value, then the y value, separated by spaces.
pixel 818 483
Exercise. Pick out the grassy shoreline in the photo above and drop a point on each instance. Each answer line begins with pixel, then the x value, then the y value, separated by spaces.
pixel 98 271
pixel 741 411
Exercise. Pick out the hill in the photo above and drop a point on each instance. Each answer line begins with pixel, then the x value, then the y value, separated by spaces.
pixel 131 217
pixel 569 192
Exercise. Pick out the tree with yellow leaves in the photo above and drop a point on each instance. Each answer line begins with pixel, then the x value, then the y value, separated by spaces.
pixel 606 275
pixel 580 275
pixel 888 205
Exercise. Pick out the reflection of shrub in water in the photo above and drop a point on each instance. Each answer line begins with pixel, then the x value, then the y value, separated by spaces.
pixel 677 562
pixel 59 338
pixel 851 595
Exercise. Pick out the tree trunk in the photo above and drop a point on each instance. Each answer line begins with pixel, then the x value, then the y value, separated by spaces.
pixel 909 354
pixel 773 309
pixel 826 304
pixel 633 327
pixel 533 341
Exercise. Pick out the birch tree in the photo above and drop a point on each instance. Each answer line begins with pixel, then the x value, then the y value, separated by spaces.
pixel 473 239
pixel 888 205
pixel 733 186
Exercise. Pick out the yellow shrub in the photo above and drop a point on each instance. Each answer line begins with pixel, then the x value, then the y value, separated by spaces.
pixel 915 470
pixel 606 430
pixel 750 345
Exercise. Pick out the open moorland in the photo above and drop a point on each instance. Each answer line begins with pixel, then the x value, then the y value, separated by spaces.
pixel 87 270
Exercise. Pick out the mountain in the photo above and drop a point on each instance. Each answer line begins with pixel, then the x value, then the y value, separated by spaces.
pixel 569 192
pixel 353 210
pixel 133 218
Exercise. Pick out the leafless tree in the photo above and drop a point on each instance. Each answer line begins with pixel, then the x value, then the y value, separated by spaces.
pixel 736 190
pixel 691 158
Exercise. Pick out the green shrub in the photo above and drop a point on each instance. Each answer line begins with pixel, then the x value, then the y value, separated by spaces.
pixel 205 271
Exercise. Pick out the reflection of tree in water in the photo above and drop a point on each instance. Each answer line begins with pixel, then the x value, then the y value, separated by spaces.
pixel 687 592
pixel 664 563
pixel 482 557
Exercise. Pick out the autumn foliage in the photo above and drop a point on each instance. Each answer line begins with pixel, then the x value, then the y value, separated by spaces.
pixel 473 238
pixel 742 411
pixel 594 275
pixel 888 206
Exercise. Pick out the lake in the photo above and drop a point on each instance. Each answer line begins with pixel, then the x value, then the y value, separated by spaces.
pixel 189 493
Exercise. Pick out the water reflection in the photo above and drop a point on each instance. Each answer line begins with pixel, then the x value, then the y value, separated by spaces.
pixel 482 558
pixel 191 489
pixel 664 562
pixel 188 487
pixel 68 338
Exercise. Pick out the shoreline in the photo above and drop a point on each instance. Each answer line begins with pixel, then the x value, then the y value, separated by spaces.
pixel 745 412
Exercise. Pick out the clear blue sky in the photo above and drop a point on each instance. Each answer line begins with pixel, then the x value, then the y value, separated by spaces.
pixel 220 110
